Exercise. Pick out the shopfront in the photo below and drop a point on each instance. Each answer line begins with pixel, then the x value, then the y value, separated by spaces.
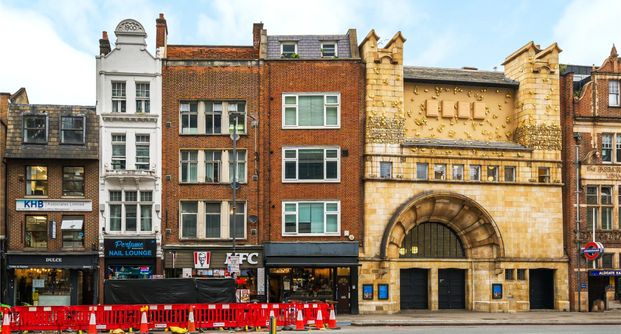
pixel 130 258
pixel 313 271
pixel 213 262
pixel 52 279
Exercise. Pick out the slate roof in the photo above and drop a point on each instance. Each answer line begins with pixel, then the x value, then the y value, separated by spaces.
pixel 466 144
pixel 309 46
pixel 53 149
pixel 464 76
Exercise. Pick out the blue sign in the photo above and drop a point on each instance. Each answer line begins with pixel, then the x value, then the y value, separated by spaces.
pixel 130 247
pixel 382 291
pixel 598 273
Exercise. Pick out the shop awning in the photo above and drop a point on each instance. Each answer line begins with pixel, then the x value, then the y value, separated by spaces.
pixel 72 224
pixel 311 254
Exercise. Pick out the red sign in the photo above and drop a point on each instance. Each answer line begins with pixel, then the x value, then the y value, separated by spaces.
pixel 593 250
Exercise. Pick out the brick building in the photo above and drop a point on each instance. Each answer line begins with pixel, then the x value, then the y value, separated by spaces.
pixel 312 132
pixel 5 100
pixel 590 105
pixel 52 237
pixel 462 184
pixel 209 91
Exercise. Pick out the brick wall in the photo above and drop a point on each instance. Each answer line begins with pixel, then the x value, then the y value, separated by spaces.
pixel 228 81
pixel 16 172
pixel 345 77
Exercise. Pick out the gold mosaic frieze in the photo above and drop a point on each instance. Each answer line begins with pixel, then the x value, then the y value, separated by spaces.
pixel 384 130
pixel 540 137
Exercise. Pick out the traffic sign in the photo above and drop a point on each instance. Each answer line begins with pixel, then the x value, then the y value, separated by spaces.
pixel 593 250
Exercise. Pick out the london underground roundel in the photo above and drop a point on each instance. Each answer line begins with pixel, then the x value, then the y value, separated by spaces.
pixel 593 250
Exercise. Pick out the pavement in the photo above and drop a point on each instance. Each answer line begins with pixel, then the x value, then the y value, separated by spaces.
pixel 460 318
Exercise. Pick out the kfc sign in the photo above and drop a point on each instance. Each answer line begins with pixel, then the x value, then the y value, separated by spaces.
pixel 251 258
pixel 202 260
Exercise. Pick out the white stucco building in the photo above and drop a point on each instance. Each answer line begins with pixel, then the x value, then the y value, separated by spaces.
pixel 129 86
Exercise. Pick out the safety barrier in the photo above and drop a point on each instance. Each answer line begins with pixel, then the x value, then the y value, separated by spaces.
pixel 161 317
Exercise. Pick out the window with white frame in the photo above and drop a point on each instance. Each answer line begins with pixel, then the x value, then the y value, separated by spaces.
pixel 311 110
pixel 118 152
pixel 189 117
pixel 237 116
pixel 72 129
pixel 599 207
pixel 118 97
pixel 613 93
pixel 35 129
pixel 311 218
pixel 130 211
pixel 142 151
pixel 213 118
pixel 288 49
pixel 143 95
pixel 72 229
pixel 209 220
pixel 209 166
pixel 607 147
pixel 311 164
pixel 329 49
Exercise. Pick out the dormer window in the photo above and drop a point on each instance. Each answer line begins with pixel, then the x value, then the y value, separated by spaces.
pixel 328 49
pixel 35 129
pixel 613 94
pixel 289 49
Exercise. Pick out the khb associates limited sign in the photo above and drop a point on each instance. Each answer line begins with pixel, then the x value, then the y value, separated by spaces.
pixel 53 205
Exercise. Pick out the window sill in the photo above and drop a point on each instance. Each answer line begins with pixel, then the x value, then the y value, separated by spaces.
pixel 211 183
pixel 333 127
pixel 36 196
pixel 335 234
pixel 73 197
pixel 211 134
pixel 35 143
pixel 212 239
pixel 311 181
pixel 73 144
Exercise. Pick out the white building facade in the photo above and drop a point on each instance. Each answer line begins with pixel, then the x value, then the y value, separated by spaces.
pixel 129 88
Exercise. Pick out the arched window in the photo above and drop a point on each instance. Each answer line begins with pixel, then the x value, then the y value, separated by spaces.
pixel 431 240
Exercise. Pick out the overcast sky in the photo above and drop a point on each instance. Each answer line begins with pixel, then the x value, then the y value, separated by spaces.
pixel 49 46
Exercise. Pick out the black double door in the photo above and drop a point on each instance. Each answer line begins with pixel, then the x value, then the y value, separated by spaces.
pixel 451 289
pixel 414 289
pixel 541 289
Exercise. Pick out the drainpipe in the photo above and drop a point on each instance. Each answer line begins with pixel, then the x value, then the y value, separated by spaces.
pixel 577 164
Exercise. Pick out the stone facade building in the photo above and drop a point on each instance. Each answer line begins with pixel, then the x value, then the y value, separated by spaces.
pixel 592 156
pixel 312 132
pixel 211 94
pixel 52 220
pixel 129 85
pixel 462 184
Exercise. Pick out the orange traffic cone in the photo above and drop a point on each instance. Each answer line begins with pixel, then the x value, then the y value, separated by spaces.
pixel 6 324
pixel 92 324
pixel 332 320
pixel 319 320
pixel 144 326
pixel 191 325
pixel 299 322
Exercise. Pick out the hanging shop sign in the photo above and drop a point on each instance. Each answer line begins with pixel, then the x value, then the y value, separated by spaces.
pixel 53 205
pixel 592 250
pixel 130 247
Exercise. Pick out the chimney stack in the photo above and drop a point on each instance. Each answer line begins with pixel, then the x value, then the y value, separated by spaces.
pixel 4 106
pixel 104 44
pixel 161 32
pixel 256 34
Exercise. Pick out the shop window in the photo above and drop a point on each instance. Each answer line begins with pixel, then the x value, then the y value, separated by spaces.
pixel 143 94
pixel 431 240
pixel 606 262
pixel 73 181
pixel 509 275
pixel 475 172
pixel 238 217
pixel 311 111
pixel 311 164
pixel 509 173
pixel 35 129
pixel 543 174
pixel 312 218
pixel 439 172
pixel 72 231
pixel 118 97
pixel 304 284
pixel 385 169
pixel 458 172
pixel 521 274
pixel 36 232
pixel 492 173
pixel 189 117
pixel 118 152
pixel 421 170
pixel 606 147
pixel 142 151
pixel 36 181
pixel 72 129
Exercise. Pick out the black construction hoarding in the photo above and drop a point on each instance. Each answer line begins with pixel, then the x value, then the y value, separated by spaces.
pixel 169 291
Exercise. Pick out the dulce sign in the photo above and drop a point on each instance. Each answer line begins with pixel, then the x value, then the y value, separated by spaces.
pixel 593 250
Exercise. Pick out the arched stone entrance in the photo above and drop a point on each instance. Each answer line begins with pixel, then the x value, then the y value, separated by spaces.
pixel 441 278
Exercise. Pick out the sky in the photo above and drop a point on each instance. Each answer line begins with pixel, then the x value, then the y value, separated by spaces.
pixel 49 46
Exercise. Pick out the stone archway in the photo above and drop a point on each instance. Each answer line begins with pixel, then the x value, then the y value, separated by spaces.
pixel 475 227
